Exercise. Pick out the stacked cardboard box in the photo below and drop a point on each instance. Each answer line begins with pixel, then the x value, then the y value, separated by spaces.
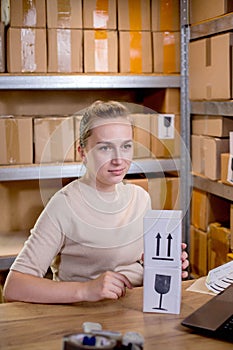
pixel 200 10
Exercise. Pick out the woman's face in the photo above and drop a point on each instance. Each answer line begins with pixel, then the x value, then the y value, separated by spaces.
pixel 109 153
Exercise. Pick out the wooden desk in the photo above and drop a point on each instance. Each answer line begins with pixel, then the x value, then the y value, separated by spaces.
pixel 35 326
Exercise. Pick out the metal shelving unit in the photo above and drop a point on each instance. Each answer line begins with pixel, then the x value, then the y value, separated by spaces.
pixel 215 26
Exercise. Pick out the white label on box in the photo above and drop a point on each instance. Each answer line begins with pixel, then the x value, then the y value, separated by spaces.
pixel 100 19
pixel 64 50
pixel 101 55
pixel 28 48
pixel 166 126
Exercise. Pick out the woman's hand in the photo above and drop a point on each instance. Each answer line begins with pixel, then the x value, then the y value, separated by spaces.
pixel 109 285
pixel 184 259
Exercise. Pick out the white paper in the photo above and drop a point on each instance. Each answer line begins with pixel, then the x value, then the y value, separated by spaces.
pixel 220 278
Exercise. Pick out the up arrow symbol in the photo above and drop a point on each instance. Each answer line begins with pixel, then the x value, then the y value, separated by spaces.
pixel 169 240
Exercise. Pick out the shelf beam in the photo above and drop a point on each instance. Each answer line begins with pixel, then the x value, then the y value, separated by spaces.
pixel 215 187
pixel 212 107
pixel 86 81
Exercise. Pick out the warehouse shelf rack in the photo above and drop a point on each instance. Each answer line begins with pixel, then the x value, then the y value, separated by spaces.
pixel 223 107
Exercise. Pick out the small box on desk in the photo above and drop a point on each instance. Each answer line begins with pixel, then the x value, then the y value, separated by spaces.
pixel 162 263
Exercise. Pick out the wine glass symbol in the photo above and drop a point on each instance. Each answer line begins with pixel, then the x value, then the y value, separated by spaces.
pixel 162 286
pixel 167 123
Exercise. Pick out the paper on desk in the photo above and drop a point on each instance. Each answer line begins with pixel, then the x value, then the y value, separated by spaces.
pixel 220 278
pixel 199 286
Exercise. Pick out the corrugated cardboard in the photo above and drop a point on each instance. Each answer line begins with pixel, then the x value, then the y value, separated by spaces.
pixel 224 168
pixel 141 135
pixel 16 140
pixel 65 50
pixel 100 51
pixel 213 147
pixel 64 14
pixel 198 252
pixel 135 52
pixel 27 13
pixel 2 47
pixel 218 245
pixel 197 154
pixel 26 50
pixel 210 67
pixel 207 208
pixel 164 193
pixel 165 141
pixel 54 139
pixel 165 15
pixel 166 52
pixel 201 10
pixel 99 14
pixel 164 100
pixel 134 15
pixel 215 125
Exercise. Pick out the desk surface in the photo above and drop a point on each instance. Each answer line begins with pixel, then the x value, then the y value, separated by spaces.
pixel 35 326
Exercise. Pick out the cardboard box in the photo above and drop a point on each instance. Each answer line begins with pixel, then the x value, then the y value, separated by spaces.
pixel 224 168
pixel 213 147
pixel 27 13
pixel 100 51
pixel 218 245
pixel 165 15
pixel 197 154
pixel 142 182
pixel 26 50
pixel 164 101
pixel 135 52
pixel 164 193
pixel 54 139
pixel 134 15
pixel 2 47
pixel 207 208
pixel 64 14
pixel 65 50
pixel 231 226
pixel 211 125
pixel 165 138
pixel 198 252
pixel 16 140
pixel 99 14
pixel 210 62
pixel 201 10
pixel 166 52
pixel 141 135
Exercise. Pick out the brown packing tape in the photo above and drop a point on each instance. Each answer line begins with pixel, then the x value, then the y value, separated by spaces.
pixel 101 15
pixel 135 19
pixel 166 13
pixel 29 13
pixel 63 13
pixel 169 52
pixel 64 50
pixel 12 140
pixel 28 55
pixel 101 51
pixel 135 52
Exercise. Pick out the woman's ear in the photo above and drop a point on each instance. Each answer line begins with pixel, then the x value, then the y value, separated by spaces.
pixel 82 153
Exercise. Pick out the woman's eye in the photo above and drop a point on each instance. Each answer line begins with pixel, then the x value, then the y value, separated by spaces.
pixel 127 146
pixel 105 148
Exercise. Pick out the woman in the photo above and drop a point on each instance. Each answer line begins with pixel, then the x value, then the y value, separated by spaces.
pixel 91 231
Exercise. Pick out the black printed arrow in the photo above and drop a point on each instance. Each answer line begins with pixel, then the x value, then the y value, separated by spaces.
pixel 158 237
pixel 169 240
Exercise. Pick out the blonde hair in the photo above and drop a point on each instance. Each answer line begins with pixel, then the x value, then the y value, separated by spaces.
pixel 97 111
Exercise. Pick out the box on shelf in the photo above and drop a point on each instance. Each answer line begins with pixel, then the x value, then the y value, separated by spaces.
pixel 231 225
pixel 54 139
pixel 218 245
pixel 100 51
pixel 99 14
pixel 166 52
pixel 211 125
pixel 27 13
pixel 210 67
pixel 141 135
pixel 164 101
pixel 26 50
pixel 64 14
pixel 197 154
pixel 135 52
pixel 142 182
pixel 65 50
pixel 198 252
pixel 16 140
pixel 164 193
pixel 165 137
pixel 213 147
pixel 165 15
pixel 2 47
pixel 224 168
pixel 207 208
pixel 201 10
pixel 134 15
